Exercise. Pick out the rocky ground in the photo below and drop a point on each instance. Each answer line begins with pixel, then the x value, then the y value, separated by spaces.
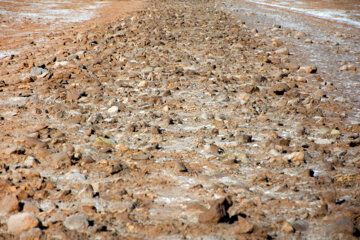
pixel 178 122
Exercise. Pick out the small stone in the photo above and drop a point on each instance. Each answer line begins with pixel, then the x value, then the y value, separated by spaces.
pixel 87 159
pixel 22 222
pixel 140 156
pixel 30 162
pixel 101 142
pixel 113 109
pixel 249 88
pixel 207 116
pixel 324 130
pixel 300 130
pixel 33 234
pixel 296 156
pixel 155 130
pixel 329 197
pixel 275 152
pixel 284 141
pixel 14 150
pixel 61 159
pixel 300 225
pixel 217 212
pixel 180 167
pixel 320 93
pixel 30 207
pixel 287 227
pixel 34 143
pixel 36 71
pixel 307 69
pixel 9 204
pixel 242 226
pixel 143 84
pixel 86 192
pixel 349 67
pixel 213 149
pixel 243 138
pixel 322 141
pixel 335 132
pixel 116 168
pixel 282 51
pixel 341 225
pixel 122 148
pixel 340 99
pixel 74 176
pixel 308 173
pixel 73 57
pixel 243 98
pixel 242 157
pixel 77 222
pixel 280 88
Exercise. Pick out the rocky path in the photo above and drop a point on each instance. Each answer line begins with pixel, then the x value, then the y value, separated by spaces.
pixel 178 122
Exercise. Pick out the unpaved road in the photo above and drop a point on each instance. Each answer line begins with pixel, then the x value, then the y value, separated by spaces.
pixel 178 122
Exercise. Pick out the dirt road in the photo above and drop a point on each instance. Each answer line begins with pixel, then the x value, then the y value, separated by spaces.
pixel 177 122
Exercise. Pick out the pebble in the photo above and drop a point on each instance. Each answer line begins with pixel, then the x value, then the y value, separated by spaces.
pixel 349 67
pixel 86 192
pixel 180 167
pixel 116 168
pixel 243 98
pixel 143 84
pixel 307 69
pixel 243 138
pixel 282 51
pixel 22 222
pixel 275 152
pixel 280 88
pixel 213 149
pixel 14 150
pixel 74 176
pixel 9 204
pixel 300 225
pixel 296 156
pixel 61 159
pixel 33 234
pixel 122 148
pixel 341 224
pixel 287 227
pixel 113 109
pixel 30 162
pixel 322 141
pixel 77 222
pixel 335 132
pixel 36 71
pixel 102 142
pixel 217 212
pixel 30 207
pixel 242 226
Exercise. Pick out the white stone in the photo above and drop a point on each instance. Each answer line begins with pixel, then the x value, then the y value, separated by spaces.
pixel 77 222
pixel 322 141
pixel 22 222
pixel 113 109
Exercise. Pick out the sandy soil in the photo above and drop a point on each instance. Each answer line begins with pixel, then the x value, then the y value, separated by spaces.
pixel 184 120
